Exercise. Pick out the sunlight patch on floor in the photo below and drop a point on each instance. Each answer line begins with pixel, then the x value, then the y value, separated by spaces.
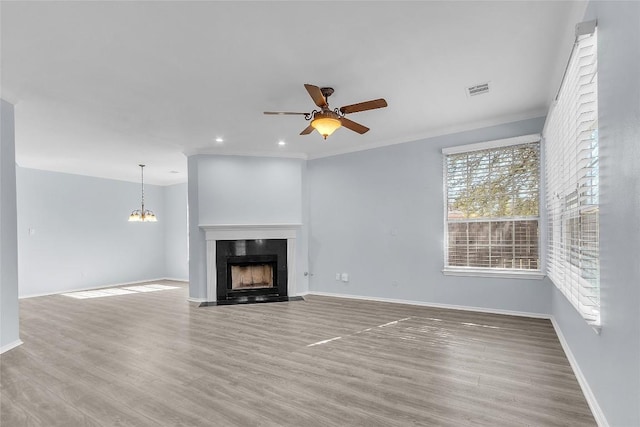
pixel 99 293
pixel 324 341
pixel 384 325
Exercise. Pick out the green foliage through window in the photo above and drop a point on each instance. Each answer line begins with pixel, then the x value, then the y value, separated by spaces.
pixel 496 183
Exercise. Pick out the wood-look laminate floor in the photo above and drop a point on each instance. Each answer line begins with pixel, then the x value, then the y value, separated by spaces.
pixel 153 359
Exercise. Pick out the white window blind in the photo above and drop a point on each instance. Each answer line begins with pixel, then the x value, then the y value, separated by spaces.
pixel 492 208
pixel 572 188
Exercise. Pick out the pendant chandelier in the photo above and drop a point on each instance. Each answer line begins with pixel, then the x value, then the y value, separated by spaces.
pixel 142 214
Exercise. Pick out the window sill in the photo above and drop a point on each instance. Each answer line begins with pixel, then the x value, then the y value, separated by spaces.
pixel 505 274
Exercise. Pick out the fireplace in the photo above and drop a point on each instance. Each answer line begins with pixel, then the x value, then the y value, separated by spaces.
pixel 254 246
pixel 251 270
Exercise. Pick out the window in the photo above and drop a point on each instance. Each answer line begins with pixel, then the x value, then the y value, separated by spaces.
pixel 492 201
pixel 572 183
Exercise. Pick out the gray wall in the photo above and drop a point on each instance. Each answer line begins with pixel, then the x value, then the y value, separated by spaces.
pixel 9 329
pixel 175 232
pixel 80 237
pixel 611 361
pixel 378 215
pixel 197 243
pixel 244 190
pixel 250 190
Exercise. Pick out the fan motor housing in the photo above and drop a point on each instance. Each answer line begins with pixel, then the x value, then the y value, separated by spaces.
pixel 326 91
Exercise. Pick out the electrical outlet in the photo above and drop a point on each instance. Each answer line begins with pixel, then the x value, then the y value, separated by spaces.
pixel 344 277
pixel 337 276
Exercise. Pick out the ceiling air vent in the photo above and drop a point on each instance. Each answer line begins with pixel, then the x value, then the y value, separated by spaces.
pixel 478 89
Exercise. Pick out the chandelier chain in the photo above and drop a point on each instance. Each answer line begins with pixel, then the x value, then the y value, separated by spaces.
pixel 142 181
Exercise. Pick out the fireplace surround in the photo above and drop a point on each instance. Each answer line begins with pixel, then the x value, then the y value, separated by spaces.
pixel 251 270
pixel 250 246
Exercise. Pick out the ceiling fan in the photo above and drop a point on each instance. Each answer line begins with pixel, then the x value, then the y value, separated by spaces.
pixel 327 121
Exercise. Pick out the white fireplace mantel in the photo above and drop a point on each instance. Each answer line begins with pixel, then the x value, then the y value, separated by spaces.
pixel 215 232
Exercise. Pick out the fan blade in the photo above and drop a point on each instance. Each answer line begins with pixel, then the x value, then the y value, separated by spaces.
pixel 356 127
pixel 307 130
pixel 284 112
pixel 316 95
pixel 363 106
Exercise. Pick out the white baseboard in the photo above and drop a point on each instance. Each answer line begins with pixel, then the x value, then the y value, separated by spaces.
pixel 435 305
pixel 175 279
pixel 113 285
pixel 197 300
pixel 584 385
pixel 10 346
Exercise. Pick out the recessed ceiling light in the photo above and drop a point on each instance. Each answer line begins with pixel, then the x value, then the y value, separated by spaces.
pixel 174 172
pixel 281 143
pixel 219 139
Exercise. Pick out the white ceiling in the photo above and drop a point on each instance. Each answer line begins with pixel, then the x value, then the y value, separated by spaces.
pixel 102 86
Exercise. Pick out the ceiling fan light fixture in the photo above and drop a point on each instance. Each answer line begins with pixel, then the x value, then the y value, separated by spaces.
pixel 325 123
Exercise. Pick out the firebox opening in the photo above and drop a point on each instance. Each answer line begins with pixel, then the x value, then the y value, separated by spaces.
pixel 252 276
